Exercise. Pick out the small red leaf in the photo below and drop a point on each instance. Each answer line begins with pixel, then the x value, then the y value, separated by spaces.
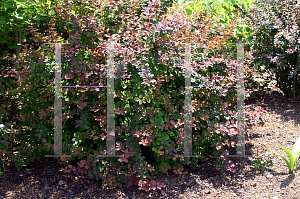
pixel 153 183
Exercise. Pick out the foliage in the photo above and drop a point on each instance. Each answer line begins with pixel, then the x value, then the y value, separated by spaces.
pixel 149 91
pixel 15 14
pixel 14 18
pixel 227 10
pixel 261 163
pixel 276 42
pixel 293 155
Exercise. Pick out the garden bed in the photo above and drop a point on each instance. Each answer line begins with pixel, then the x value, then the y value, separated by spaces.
pixel 281 125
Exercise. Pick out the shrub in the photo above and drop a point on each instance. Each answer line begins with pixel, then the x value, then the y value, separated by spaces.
pixel 276 42
pixel 148 100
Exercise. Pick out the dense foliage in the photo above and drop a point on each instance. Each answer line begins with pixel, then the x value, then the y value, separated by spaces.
pixel 14 18
pixel 149 113
pixel 276 42
pixel 225 12
pixel 15 15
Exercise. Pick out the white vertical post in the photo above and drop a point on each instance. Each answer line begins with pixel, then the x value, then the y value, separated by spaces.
pixel 240 101
pixel 110 141
pixel 187 104
pixel 57 105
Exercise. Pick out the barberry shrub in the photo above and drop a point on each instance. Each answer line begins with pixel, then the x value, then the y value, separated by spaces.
pixel 276 42
pixel 149 89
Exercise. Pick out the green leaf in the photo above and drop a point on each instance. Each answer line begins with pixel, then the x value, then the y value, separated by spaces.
pixel 9 4
pixel 160 120
pixel 292 161
pixel 171 134
pixel 287 162
pixel 159 114
pixel 233 2
pixel 296 149
pixel 226 5
pixel 154 149
pixel 3 21
pixel 3 13
pixel 189 11
pixel 245 5
pixel 167 137
pixel 118 104
pixel 10 10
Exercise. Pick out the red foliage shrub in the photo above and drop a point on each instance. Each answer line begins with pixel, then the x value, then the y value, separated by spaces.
pixel 145 42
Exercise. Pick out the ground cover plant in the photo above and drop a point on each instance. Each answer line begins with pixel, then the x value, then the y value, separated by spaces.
pixel 149 92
